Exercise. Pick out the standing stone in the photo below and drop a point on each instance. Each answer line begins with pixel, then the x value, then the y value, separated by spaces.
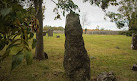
pixel 50 32
pixel 44 33
pixel 134 42
pixel 46 55
pixel 134 68
pixel 57 36
pixel 76 60
pixel 104 76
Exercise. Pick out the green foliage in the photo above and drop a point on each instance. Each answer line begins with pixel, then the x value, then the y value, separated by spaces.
pixel 28 57
pixel 127 33
pixel 102 3
pixel 126 14
pixel 31 35
pixel 54 28
pixel 122 32
pixel 34 43
pixel 64 6
pixel 5 11
pixel 102 29
pixel 15 30
pixel 13 43
pixel 17 59
pixel 120 24
pixel 130 32
pixel 2 44
pixel 85 29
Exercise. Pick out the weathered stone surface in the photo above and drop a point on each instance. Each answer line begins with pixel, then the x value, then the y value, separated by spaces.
pixel 92 57
pixel 50 32
pixel 44 33
pixel 104 76
pixel 76 60
pixel 57 36
pixel 134 42
pixel 134 68
pixel 117 47
pixel 46 55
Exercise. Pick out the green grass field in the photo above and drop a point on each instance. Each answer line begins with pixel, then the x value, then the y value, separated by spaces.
pixel 111 52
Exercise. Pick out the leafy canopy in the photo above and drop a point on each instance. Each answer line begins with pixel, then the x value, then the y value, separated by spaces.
pixel 15 30
pixel 64 6
pixel 127 14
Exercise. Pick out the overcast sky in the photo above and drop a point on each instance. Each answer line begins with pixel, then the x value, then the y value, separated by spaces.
pixel 95 16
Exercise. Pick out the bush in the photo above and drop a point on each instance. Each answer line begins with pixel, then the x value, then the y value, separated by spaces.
pixel 54 28
pixel 122 32
pixel 129 33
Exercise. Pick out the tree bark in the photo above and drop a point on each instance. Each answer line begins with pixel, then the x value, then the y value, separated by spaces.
pixel 39 53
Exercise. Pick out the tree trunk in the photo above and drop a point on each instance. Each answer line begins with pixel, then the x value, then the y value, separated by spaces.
pixel 134 41
pixel 39 53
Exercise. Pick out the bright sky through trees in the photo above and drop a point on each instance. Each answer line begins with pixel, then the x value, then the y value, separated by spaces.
pixel 95 16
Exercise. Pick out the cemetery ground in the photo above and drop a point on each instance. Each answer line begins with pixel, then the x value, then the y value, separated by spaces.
pixel 110 52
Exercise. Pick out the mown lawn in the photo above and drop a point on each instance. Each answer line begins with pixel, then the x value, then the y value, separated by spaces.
pixel 111 52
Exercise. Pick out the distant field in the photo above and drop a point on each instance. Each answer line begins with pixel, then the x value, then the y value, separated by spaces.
pixel 111 52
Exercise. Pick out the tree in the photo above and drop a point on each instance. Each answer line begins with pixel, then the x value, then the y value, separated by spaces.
pixel 97 28
pixel 127 11
pixel 39 51
pixel 66 5
pixel 63 6
pixel 102 29
pixel 86 30
pixel 127 15
pixel 15 31
pixel 60 28
pixel 102 3
pixel 84 21
pixel 19 25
